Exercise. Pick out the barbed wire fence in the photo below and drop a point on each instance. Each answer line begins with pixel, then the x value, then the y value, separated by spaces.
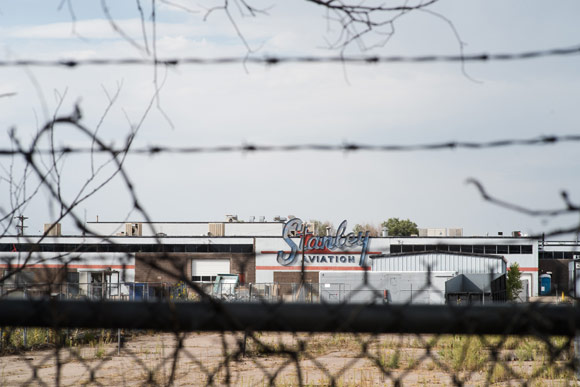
pixel 186 335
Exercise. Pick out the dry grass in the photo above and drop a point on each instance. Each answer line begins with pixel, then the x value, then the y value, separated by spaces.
pixel 288 359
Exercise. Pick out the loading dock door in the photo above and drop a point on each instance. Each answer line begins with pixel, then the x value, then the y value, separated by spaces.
pixel 205 270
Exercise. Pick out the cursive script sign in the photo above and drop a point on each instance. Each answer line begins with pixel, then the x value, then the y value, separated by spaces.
pixel 307 243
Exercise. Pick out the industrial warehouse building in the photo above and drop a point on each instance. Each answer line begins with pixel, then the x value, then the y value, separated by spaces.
pixel 258 252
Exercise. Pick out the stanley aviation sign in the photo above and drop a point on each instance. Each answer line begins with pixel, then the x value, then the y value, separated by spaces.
pixel 298 249
pixel 322 249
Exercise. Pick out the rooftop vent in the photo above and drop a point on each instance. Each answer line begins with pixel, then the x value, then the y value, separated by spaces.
pixel 232 218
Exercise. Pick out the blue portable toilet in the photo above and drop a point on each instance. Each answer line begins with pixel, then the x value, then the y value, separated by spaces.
pixel 545 284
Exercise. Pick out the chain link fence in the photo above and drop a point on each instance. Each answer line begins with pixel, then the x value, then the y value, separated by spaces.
pixel 277 334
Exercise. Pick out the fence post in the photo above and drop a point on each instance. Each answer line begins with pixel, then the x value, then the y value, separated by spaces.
pixel 246 332
pixel 25 337
pixel 118 341
pixel 577 354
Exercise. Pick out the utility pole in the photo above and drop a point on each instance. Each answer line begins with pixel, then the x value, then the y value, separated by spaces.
pixel 21 227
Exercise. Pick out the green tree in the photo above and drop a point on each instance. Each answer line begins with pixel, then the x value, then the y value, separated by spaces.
pixel 513 283
pixel 374 230
pixel 399 227
pixel 321 228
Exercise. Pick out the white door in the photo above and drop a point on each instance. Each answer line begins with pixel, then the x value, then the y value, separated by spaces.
pixel 205 270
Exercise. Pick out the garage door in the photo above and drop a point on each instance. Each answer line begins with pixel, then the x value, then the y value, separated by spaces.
pixel 205 270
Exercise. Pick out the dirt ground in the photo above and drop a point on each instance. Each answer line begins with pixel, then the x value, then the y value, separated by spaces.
pixel 286 359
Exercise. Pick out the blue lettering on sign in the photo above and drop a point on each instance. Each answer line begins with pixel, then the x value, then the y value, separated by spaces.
pixel 339 241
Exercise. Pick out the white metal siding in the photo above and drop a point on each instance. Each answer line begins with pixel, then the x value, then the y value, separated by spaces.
pixel 440 262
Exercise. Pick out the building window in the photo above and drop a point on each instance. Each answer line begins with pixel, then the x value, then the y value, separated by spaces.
pixel 490 249
pixel 502 249
pixel 203 278
pixel 466 248
pixel 396 249
pixel 527 249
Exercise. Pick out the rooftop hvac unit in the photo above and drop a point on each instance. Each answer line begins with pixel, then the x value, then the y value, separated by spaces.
pixel 133 229
pixel 455 232
pixel 279 219
pixel 54 231
pixel 252 219
pixel 216 229
pixel 262 219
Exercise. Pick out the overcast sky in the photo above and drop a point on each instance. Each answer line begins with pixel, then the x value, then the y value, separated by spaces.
pixel 332 104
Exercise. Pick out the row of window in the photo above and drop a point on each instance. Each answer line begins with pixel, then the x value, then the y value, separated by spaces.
pixel 203 278
pixel 478 249
pixel 128 248
pixel 559 255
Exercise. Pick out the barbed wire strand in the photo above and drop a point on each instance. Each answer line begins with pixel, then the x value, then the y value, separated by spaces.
pixel 276 60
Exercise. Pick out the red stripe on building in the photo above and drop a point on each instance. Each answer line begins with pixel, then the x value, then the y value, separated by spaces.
pixel 321 252
pixel 527 269
pixel 58 266
pixel 309 268
pixel 339 268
